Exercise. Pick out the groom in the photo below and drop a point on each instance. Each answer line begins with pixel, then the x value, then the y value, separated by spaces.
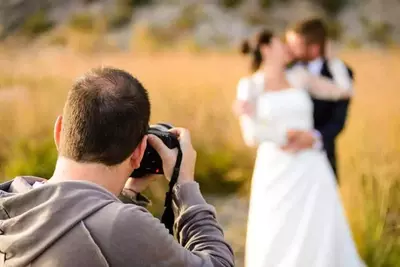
pixel 307 42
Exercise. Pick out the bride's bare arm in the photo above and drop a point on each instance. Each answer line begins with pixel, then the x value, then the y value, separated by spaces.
pixel 326 89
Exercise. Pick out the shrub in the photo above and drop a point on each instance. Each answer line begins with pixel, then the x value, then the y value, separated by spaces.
pixel 377 31
pixel 188 18
pixel 82 22
pixel 256 18
pixel 58 39
pixel 90 1
pixel 380 32
pixel 219 171
pixel 332 7
pixel 231 3
pixel 266 3
pixel 36 24
pixel 135 3
pixel 354 43
pixel 32 157
pixel 335 30
pixel 121 16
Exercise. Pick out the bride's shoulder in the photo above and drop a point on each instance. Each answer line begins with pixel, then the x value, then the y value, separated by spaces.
pixel 248 87
pixel 252 78
pixel 245 81
pixel 244 84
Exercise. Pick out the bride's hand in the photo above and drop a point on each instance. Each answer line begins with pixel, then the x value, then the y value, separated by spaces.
pixel 241 107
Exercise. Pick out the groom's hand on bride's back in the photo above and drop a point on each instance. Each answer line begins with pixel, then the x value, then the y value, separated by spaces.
pixel 298 140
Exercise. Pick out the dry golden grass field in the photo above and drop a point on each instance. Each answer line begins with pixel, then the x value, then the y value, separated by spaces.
pixel 196 91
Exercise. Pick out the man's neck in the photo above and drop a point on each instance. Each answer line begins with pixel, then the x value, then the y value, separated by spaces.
pixel 109 178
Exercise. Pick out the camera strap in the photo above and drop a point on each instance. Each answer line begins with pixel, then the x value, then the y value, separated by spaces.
pixel 168 217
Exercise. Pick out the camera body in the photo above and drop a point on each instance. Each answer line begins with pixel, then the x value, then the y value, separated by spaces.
pixel 151 162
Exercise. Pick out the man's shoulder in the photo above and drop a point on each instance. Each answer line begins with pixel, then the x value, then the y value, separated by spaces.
pixel 118 215
pixel 118 209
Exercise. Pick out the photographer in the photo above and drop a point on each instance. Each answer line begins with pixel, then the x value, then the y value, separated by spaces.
pixel 76 218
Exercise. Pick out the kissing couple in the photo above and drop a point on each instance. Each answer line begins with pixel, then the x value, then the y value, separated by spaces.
pixel 293 115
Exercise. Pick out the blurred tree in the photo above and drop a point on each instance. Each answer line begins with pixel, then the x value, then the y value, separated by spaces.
pixel 32 157
pixel 377 31
pixel 332 7
pixel 120 17
pixel 135 3
pixel 83 22
pixel 231 3
pixel 335 30
pixel 36 24
pixel 268 3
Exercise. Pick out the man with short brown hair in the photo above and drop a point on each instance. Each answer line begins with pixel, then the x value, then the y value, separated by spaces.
pixel 76 219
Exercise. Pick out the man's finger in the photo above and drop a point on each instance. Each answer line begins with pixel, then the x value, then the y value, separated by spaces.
pixel 158 145
pixel 177 131
pixel 182 134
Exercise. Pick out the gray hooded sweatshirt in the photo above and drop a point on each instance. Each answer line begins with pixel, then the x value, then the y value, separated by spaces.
pixel 76 224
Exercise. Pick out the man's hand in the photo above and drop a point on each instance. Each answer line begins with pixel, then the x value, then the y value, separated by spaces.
pixel 139 185
pixel 241 107
pixel 299 140
pixel 168 156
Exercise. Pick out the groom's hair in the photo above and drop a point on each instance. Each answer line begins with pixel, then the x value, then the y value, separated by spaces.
pixel 313 31
pixel 105 117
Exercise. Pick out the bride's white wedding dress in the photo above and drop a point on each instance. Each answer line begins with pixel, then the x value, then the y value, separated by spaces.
pixel 296 217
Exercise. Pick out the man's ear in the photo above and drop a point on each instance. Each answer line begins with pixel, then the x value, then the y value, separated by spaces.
pixel 57 131
pixel 138 153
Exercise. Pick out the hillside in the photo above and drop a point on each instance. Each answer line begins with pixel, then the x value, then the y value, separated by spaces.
pixel 205 23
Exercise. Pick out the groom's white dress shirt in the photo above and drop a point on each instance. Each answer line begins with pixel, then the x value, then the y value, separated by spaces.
pixel 315 66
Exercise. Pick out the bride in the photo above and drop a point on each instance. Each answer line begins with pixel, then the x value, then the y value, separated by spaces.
pixel 296 218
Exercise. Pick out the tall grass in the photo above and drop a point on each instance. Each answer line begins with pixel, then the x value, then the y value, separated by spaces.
pixel 196 91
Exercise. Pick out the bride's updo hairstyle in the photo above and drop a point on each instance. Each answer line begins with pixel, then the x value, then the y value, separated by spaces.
pixel 252 47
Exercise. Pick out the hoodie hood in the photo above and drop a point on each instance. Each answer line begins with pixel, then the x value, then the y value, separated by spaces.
pixel 32 217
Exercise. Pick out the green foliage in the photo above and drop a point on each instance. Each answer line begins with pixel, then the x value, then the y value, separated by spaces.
pixel 83 22
pixel 382 235
pixel 36 24
pixel 266 3
pixel 58 40
pixel 188 18
pixel 335 30
pixel 332 7
pixel 231 3
pixel 134 3
pixel 256 18
pixel 120 17
pixel 354 43
pixel 220 170
pixel 32 157
pixel 380 32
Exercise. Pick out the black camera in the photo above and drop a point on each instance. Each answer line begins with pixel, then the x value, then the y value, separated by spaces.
pixel 151 162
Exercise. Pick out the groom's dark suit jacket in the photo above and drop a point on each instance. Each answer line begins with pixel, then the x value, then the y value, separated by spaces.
pixel 330 117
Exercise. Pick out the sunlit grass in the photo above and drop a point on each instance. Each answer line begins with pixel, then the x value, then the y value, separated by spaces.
pixel 196 91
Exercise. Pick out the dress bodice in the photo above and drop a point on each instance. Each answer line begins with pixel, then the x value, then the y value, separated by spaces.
pixel 275 112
